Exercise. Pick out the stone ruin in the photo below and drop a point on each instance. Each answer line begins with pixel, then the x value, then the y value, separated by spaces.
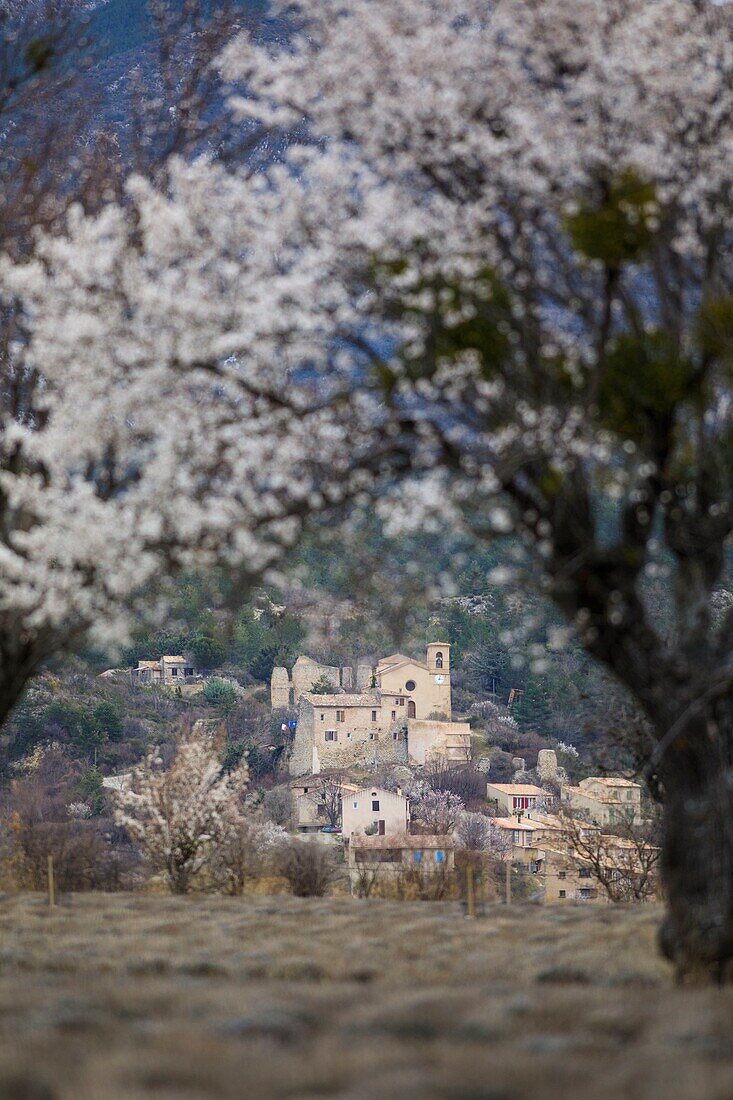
pixel 547 770
pixel 286 688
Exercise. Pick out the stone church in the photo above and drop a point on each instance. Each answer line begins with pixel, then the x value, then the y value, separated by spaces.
pixel 399 713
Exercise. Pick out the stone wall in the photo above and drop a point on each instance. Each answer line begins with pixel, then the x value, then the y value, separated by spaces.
pixel 279 688
pixel 286 688
pixel 364 676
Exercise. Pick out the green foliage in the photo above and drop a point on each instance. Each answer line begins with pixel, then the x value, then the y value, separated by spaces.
pixel 221 695
pixel 645 379
pixel 108 719
pixel 90 790
pixel 233 754
pixel 619 227
pixel 714 328
pixel 208 652
pixel 323 686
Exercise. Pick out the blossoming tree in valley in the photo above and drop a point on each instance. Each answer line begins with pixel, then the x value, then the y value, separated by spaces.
pixel 526 254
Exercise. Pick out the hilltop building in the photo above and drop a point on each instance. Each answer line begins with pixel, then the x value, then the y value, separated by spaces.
pixel 422 687
pixel 403 719
pixel 167 671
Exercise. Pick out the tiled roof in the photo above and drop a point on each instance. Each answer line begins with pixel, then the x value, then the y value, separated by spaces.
pixel 610 781
pixel 155 665
pixel 402 841
pixel 517 788
pixel 178 660
pixel 514 823
pixel 339 702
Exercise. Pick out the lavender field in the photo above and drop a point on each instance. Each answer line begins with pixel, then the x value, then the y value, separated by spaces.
pixel 115 996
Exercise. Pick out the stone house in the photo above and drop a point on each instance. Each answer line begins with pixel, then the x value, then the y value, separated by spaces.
pixel 607 800
pixel 167 671
pixel 521 834
pixel 386 813
pixel 396 854
pixel 511 798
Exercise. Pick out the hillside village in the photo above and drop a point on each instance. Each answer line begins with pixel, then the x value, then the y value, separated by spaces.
pixel 370 765
pixel 399 724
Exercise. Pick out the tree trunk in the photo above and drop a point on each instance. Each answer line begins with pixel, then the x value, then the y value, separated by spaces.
pixel 697 857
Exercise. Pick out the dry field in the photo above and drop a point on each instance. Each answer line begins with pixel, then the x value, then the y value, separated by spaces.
pixel 127 996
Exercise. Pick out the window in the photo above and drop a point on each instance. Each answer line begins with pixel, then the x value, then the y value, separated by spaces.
pixel 585 893
pixel 561 894
pixel 400 702
pixel 340 715
pixel 516 836
pixel 562 874
pixel 439 856
pixel 305 790
pixel 355 805
pixel 438 659
pixel 394 715
pixel 371 736
pixel 523 802
pixel 174 672
pixel 374 716
pixel 417 856
pixel 395 735
pixel 375 803
pixel 584 872
pixel 629 796
pixel 323 717
pixel 188 672
pixel 410 685
pixel 331 735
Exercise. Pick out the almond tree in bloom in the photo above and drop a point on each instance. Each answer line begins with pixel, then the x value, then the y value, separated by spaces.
pixel 180 815
pixel 440 811
pixel 478 833
pixel 526 255
pixel 165 377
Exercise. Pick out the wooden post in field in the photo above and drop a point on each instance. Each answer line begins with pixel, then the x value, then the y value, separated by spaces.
pixel 51 885
pixel 508 883
pixel 470 893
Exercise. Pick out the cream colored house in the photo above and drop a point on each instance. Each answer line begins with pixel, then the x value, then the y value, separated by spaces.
pixel 567 877
pixel 607 800
pixel 512 798
pixel 520 833
pixel 380 811
pixel 429 738
pixel 396 854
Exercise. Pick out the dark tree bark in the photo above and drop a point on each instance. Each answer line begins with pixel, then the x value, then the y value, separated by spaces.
pixel 697 865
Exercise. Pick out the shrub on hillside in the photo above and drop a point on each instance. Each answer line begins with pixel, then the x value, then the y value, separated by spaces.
pixel 308 868
pixel 220 694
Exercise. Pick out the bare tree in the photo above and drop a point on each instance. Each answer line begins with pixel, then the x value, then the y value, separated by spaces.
pixel 438 811
pixel 327 797
pixel 624 863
